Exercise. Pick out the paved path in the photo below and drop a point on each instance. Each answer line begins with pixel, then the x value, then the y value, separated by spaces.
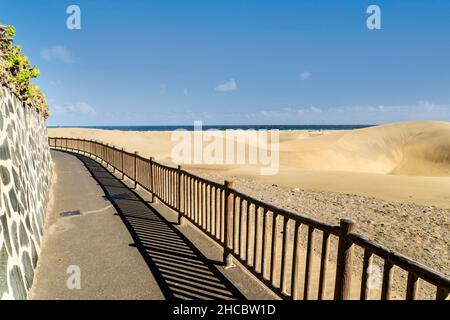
pixel 124 247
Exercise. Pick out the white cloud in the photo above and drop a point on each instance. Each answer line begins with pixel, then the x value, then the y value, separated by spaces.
pixel 357 114
pixel 305 75
pixel 228 86
pixel 57 53
pixel 76 108
pixel 81 107
pixel 428 106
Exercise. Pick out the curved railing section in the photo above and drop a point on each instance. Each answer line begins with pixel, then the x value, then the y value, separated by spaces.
pixel 289 252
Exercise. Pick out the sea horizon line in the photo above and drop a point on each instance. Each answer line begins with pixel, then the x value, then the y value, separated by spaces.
pixel 316 127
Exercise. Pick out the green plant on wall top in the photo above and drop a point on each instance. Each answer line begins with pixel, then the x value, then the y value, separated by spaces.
pixel 16 72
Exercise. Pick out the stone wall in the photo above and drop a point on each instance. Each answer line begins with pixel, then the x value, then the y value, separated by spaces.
pixel 25 177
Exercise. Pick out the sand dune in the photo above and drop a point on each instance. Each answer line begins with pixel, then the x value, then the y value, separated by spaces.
pixel 405 162
pixel 414 148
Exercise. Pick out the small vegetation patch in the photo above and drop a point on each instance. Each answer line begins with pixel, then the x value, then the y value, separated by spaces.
pixel 16 72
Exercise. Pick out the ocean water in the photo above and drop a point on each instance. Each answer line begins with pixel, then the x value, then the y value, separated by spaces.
pixel 223 127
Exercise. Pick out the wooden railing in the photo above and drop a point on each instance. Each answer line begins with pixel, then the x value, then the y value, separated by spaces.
pixel 265 239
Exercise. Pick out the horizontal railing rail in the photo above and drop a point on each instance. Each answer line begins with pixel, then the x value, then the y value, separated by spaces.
pixel 265 239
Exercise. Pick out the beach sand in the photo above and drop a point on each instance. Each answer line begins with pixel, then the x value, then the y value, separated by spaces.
pixel 393 180
pixel 405 162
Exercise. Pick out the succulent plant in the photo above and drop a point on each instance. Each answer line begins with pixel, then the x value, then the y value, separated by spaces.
pixel 16 72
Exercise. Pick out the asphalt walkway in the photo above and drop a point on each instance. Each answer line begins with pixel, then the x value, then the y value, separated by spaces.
pixel 104 240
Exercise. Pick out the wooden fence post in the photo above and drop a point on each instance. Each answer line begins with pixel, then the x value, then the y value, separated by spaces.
pixel 344 261
pixel 136 154
pixel 121 169
pixel 102 157
pixel 114 158
pixel 181 219
pixel 388 274
pixel 105 155
pixel 152 183
pixel 228 227
pixel 412 286
pixel 94 149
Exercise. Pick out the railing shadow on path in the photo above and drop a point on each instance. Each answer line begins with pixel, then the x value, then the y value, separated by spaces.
pixel 180 269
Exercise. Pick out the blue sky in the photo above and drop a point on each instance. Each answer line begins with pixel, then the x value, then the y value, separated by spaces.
pixel 237 62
